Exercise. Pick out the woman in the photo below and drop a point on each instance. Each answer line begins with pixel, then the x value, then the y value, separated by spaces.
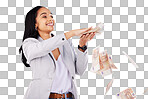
pixel 52 59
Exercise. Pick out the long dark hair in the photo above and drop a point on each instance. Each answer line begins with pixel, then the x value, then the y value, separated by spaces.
pixel 30 30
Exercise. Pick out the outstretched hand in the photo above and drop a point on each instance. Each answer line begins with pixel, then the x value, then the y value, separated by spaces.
pixel 80 32
pixel 85 38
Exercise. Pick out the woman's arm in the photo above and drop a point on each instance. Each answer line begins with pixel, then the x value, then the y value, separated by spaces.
pixel 32 48
pixel 81 59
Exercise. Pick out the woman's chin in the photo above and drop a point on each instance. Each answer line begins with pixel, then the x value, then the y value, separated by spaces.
pixel 51 29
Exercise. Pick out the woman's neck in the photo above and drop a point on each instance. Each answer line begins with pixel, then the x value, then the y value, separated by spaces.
pixel 45 36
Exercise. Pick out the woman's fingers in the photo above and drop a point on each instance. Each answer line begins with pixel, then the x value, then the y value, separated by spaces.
pixel 80 32
pixel 87 29
pixel 82 36
pixel 87 35
pixel 92 36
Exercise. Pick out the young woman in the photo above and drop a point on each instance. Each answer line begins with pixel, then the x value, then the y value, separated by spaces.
pixel 53 59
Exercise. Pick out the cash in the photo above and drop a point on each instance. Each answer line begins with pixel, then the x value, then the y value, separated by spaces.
pixel 126 94
pixel 109 85
pixel 146 90
pixel 111 62
pixel 130 59
pixel 98 29
pixel 101 62
pixel 95 59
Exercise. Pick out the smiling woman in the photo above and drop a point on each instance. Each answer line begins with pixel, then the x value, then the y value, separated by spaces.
pixel 53 60
pixel 44 21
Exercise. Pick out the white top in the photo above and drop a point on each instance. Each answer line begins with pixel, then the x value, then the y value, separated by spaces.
pixel 62 80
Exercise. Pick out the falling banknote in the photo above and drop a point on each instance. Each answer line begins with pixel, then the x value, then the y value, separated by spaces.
pixel 105 68
pixel 95 59
pixel 130 59
pixel 98 29
pixel 109 85
pixel 126 94
pixel 146 90
pixel 102 63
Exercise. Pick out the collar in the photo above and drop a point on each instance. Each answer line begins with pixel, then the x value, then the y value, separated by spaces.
pixel 40 39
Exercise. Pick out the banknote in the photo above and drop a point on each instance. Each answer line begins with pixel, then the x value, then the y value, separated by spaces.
pixel 98 29
pixel 111 62
pixel 102 63
pixel 126 94
pixel 130 59
pixel 146 90
pixel 95 59
pixel 105 68
pixel 109 85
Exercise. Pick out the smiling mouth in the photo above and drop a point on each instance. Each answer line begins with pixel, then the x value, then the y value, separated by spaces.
pixel 50 24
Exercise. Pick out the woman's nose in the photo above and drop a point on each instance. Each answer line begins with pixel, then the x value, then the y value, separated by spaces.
pixel 50 19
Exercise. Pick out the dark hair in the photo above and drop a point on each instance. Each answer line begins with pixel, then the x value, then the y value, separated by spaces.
pixel 30 30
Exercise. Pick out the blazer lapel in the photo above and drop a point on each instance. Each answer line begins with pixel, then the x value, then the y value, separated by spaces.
pixel 52 59
pixel 66 55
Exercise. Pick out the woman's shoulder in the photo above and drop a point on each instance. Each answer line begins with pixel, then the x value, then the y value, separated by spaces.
pixel 30 39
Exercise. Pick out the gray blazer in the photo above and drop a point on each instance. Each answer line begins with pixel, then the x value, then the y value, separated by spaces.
pixel 37 53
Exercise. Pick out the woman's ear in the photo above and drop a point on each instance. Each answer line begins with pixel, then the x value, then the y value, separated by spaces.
pixel 36 25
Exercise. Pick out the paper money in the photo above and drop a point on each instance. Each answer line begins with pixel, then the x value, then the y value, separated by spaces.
pixel 111 62
pixel 146 90
pixel 130 59
pixel 95 59
pixel 98 29
pixel 126 94
pixel 102 63
pixel 109 85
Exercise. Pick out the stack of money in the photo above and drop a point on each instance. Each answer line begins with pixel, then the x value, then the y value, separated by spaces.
pixel 102 63
pixel 98 29
pixel 126 94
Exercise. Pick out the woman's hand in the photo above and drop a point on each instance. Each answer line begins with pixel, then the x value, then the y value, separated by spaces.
pixel 85 38
pixel 79 32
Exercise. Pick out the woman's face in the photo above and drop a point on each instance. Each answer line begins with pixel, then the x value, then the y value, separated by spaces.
pixel 44 20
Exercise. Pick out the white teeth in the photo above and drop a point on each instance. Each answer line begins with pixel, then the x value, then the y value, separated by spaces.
pixel 50 24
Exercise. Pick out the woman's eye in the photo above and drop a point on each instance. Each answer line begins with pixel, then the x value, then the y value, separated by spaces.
pixel 44 17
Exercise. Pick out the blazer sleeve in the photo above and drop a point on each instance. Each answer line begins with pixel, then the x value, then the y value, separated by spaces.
pixel 81 59
pixel 32 48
